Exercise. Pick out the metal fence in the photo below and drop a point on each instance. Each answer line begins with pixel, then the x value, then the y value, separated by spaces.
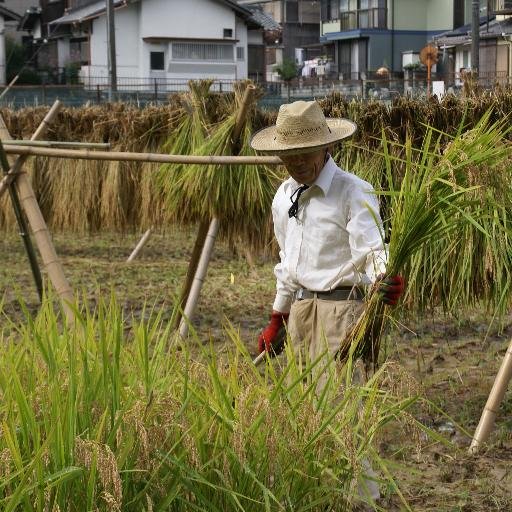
pixel 143 91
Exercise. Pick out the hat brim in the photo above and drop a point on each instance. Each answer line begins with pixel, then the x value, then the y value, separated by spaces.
pixel 265 140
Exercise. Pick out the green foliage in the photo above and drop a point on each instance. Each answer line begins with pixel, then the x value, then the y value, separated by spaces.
pixel 287 70
pixel 111 414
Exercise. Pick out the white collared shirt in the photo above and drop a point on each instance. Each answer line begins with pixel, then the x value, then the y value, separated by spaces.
pixel 336 239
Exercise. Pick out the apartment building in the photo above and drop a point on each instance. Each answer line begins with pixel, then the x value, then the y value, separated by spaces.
pixel 361 36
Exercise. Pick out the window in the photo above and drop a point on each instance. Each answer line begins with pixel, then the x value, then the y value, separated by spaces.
pixel 240 54
pixel 228 32
pixel 202 51
pixel 157 61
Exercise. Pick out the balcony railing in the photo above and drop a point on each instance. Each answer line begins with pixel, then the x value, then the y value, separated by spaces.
pixel 362 18
pixel 500 6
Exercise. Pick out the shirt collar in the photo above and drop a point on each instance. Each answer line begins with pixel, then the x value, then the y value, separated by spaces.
pixel 323 180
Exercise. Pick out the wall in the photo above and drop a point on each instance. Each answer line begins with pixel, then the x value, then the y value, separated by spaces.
pixel 409 14
pixel 127 43
pixel 241 35
pixel 440 15
pixel 201 19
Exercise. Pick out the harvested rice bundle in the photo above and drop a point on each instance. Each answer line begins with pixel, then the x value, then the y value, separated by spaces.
pixel 435 211
pixel 240 195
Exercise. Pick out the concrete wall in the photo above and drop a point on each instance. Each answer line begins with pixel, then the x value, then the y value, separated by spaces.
pixel 241 35
pixel 421 14
pixel 204 19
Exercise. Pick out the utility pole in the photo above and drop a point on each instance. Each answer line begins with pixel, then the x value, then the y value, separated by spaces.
pixel 111 43
pixel 475 38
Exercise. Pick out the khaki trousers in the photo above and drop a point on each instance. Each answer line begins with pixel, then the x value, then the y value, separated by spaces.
pixel 317 327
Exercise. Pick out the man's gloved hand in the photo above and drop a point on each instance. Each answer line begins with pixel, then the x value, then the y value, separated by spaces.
pixel 273 336
pixel 391 288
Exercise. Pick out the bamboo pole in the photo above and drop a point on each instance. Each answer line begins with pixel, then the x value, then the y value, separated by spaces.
pixel 213 230
pixel 140 245
pixel 122 156
pixel 57 144
pixel 199 277
pixel 36 220
pixel 23 227
pixel 192 268
pixel 496 395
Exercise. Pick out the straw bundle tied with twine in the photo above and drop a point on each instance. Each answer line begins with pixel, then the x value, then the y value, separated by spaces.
pixel 240 195
pixel 434 210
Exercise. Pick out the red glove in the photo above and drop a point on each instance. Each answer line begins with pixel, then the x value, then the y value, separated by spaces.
pixel 272 338
pixel 391 288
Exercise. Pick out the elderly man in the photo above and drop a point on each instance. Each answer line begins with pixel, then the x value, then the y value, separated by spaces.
pixel 328 228
pixel 327 225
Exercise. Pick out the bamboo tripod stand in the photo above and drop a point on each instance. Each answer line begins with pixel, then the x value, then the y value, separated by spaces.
pixel 18 180
pixel 204 242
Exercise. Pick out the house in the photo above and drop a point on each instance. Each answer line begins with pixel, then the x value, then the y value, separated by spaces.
pixel 495 48
pixel 361 36
pixel 6 16
pixel 47 50
pixel 11 26
pixel 159 40
pixel 295 34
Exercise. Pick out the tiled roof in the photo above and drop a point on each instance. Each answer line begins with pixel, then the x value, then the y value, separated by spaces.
pixel 263 19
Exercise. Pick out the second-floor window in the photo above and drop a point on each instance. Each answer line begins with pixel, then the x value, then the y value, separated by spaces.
pixel 353 14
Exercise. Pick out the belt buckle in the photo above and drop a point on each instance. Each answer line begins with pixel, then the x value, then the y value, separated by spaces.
pixel 300 294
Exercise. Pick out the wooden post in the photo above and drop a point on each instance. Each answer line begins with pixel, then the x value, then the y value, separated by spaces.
pixel 38 225
pixel 140 245
pixel 496 395
pixel 200 272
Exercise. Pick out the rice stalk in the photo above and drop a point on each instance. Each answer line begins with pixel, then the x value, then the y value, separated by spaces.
pixel 439 209
pixel 105 415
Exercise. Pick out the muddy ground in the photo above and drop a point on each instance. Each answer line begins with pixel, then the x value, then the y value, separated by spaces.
pixel 454 360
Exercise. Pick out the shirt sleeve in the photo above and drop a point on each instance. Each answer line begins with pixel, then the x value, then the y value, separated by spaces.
pixel 285 285
pixel 366 235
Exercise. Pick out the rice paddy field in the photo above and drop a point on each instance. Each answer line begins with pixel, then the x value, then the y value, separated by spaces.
pixel 114 411
pixel 452 361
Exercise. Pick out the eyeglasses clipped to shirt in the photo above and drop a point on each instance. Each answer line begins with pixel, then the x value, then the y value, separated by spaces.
pixel 294 208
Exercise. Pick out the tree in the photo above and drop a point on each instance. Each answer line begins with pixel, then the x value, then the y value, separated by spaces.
pixel 287 71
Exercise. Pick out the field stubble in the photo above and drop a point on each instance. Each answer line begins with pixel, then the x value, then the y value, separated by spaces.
pixel 454 360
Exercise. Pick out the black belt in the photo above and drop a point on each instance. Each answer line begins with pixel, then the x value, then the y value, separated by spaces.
pixel 341 293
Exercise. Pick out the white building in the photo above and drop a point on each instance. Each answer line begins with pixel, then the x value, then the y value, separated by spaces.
pixel 163 40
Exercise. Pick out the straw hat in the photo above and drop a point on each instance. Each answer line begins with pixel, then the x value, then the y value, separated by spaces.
pixel 301 127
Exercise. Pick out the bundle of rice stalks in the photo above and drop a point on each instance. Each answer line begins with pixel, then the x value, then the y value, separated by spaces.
pixel 240 195
pixel 435 213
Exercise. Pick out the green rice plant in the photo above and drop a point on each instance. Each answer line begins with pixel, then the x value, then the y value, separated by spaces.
pixel 107 414
pixel 441 202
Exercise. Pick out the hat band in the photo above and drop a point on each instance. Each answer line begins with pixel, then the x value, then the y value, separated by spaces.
pixel 302 134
